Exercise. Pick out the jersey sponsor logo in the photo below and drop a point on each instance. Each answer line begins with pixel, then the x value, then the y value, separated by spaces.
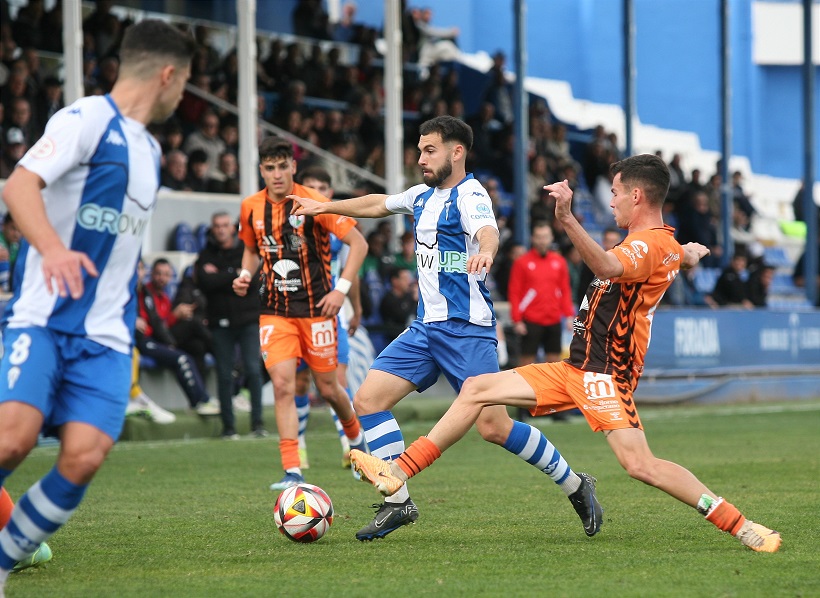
pixel 598 386
pixel 43 149
pixel 479 193
pixel 640 248
pixel 446 261
pixel 101 219
pixel 323 333
pixel 283 268
pixel 604 285
pixel 671 257
pixel 483 208
pixel 269 244
pixel 419 202
pixel 296 221
pixel 114 138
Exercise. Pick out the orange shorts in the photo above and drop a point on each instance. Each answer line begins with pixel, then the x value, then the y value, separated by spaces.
pixel 606 403
pixel 312 339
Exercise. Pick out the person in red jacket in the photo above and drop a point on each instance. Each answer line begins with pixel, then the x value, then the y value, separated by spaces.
pixel 540 296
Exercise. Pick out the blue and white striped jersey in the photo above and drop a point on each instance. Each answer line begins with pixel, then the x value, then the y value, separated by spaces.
pixel 101 171
pixel 446 223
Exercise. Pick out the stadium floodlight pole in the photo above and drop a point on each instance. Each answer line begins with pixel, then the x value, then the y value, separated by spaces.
pixel 246 100
pixel 810 156
pixel 72 52
pixel 393 129
pixel 726 131
pixel 629 73
pixel 521 120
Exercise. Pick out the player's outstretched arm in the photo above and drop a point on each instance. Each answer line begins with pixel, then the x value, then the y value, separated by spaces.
pixel 692 254
pixel 366 206
pixel 62 268
pixel 602 263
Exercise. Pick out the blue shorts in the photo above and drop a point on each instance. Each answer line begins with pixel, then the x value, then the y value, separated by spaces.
pixel 342 347
pixel 454 348
pixel 67 378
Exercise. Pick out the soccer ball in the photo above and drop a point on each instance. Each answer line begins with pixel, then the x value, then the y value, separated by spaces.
pixel 303 513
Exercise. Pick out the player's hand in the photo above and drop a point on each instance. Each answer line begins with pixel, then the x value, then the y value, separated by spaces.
pixel 353 323
pixel 331 304
pixel 478 263
pixel 240 285
pixel 141 325
pixel 305 206
pixel 692 254
pixel 563 198
pixel 63 271
pixel 520 328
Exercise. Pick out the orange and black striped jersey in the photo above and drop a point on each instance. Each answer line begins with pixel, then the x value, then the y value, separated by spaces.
pixel 295 251
pixel 612 331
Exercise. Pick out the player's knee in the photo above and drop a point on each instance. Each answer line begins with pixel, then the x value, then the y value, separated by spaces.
pixel 639 469
pixel 365 404
pixel 13 450
pixel 472 391
pixel 80 467
pixel 492 431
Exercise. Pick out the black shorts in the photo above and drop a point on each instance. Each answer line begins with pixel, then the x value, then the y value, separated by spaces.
pixel 548 337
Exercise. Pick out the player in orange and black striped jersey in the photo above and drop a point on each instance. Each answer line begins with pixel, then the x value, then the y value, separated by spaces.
pixel 299 306
pixel 611 335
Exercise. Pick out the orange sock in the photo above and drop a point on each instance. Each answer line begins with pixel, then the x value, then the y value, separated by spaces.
pixel 351 427
pixel 418 456
pixel 289 449
pixel 726 517
pixel 6 506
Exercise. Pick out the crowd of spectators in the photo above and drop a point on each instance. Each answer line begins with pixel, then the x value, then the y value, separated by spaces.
pixel 338 106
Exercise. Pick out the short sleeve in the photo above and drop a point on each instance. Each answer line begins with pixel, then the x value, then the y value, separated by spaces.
pixel 636 254
pixel 66 143
pixel 402 203
pixel 476 210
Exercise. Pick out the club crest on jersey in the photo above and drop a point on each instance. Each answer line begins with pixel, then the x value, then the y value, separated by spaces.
pixel 296 221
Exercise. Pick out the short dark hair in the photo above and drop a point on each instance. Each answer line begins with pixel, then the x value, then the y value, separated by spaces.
pixel 317 173
pixel 152 37
pixel 274 148
pixel 647 171
pixel 450 128
pixel 539 224
pixel 160 261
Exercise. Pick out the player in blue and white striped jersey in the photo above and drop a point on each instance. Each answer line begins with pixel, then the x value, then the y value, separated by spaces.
pixel 454 333
pixel 82 197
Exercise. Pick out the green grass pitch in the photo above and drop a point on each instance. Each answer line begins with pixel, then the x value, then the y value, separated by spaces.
pixel 194 518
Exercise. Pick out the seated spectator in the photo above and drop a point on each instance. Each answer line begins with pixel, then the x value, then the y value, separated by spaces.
pixel 406 256
pixel 435 43
pixel 174 175
pixel 13 149
pixel 761 277
pixel 731 288
pixel 226 178
pixel 9 246
pixel 198 179
pixel 399 304
pixel 697 224
pixel 206 138
pixel 157 324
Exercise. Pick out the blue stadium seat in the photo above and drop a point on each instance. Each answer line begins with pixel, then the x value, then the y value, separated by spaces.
pixel 777 257
pixel 705 279
pixel 184 238
pixel 201 235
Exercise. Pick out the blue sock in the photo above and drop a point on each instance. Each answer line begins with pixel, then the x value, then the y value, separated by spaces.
pixel 385 441
pixel 40 512
pixel 303 412
pixel 531 445
pixel 4 473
